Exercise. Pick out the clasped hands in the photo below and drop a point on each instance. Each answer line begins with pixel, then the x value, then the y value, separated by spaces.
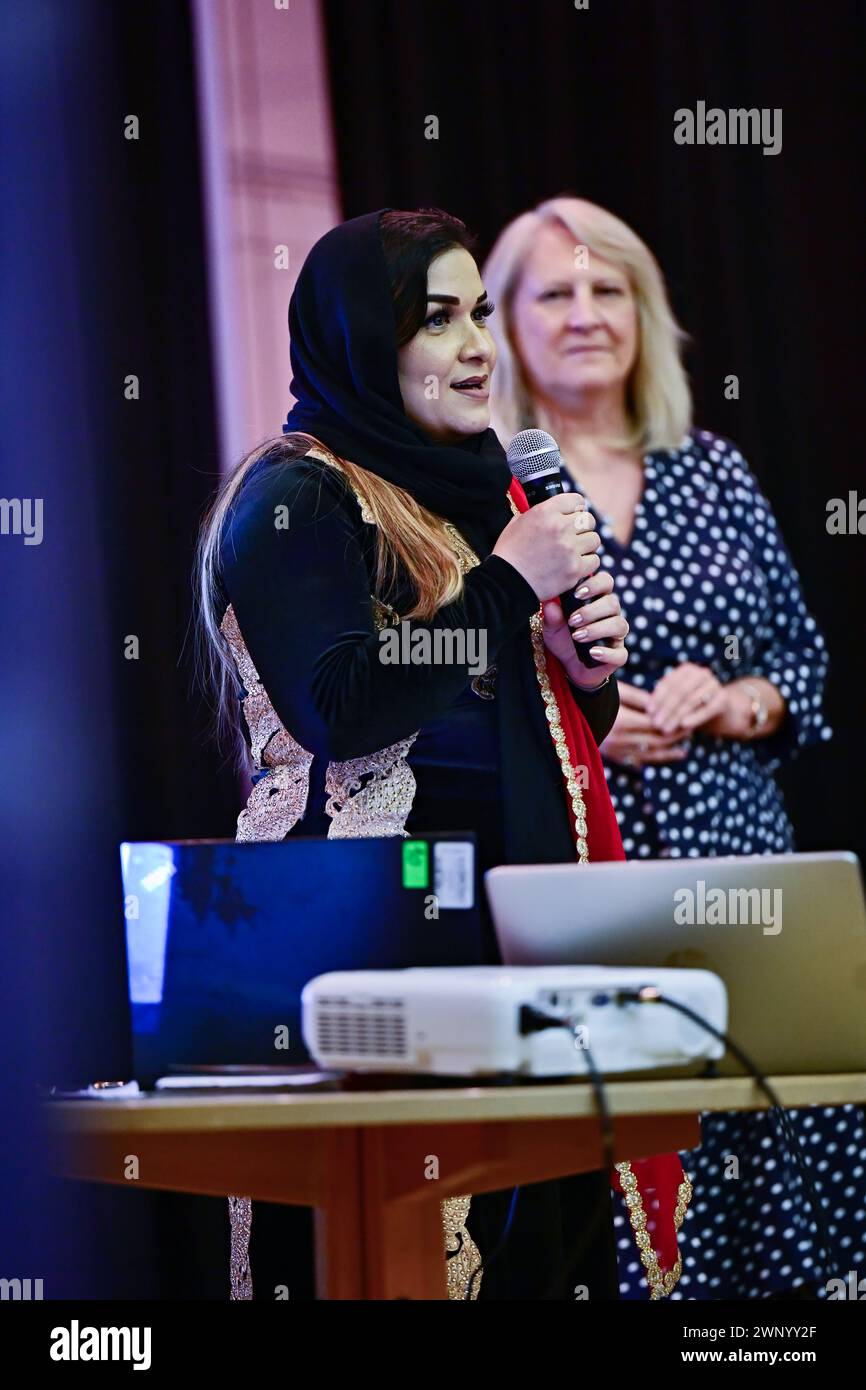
pixel 656 726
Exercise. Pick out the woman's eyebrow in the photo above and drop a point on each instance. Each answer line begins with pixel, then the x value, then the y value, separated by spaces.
pixel 452 298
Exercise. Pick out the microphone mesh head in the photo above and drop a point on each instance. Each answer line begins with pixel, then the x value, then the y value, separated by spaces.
pixel 532 453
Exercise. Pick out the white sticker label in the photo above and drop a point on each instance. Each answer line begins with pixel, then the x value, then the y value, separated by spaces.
pixel 454 873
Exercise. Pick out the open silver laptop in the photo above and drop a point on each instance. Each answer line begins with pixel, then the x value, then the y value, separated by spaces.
pixel 786 933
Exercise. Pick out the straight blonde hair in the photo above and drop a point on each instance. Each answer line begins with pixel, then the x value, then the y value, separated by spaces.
pixel 658 395
pixel 408 538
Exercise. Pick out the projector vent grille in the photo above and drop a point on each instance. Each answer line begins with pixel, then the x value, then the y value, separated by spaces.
pixel 372 1028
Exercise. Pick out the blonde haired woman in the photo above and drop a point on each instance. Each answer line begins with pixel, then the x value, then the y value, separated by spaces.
pixel 726 665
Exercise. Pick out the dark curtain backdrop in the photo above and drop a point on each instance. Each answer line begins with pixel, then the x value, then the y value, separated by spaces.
pixel 103 275
pixel 763 254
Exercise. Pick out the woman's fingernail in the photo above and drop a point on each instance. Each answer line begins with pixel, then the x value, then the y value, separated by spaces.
pixel 582 592
pixel 576 619
pixel 582 637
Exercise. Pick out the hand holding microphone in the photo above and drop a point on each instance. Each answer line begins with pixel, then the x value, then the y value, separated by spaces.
pixel 554 546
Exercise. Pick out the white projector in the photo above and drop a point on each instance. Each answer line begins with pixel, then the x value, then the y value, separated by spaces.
pixel 489 1019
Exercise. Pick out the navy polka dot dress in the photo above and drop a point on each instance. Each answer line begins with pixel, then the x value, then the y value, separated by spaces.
pixel 706 578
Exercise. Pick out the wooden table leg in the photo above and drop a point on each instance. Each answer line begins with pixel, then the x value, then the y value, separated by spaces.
pixel 404 1239
pixel 338 1220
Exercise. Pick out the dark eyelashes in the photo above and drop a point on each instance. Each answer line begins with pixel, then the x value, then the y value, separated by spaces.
pixel 485 310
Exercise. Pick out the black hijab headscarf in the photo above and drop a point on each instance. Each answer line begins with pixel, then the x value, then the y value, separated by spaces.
pixel 344 361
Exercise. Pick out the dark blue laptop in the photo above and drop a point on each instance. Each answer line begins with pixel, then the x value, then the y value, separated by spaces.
pixel 222 937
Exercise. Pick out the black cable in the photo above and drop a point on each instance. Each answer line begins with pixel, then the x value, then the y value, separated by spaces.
pixel 576 1252
pixel 532 1019
pixel 651 995
pixel 535 1020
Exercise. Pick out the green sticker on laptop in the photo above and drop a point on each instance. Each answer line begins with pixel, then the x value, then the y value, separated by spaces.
pixel 416 864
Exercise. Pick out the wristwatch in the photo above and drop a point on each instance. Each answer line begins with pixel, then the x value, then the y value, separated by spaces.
pixel 759 709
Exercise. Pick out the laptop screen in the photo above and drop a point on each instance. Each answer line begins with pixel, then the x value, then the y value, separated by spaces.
pixel 221 937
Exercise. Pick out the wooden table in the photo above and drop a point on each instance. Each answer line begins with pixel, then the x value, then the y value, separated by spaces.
pixel 360 1158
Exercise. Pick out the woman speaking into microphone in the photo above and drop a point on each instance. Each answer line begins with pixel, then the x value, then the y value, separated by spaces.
pixel 386 501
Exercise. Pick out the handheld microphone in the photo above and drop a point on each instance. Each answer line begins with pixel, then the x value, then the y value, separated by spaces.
pixel 534 460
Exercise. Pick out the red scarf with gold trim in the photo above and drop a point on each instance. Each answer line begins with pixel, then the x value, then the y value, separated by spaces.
pixel 656 1189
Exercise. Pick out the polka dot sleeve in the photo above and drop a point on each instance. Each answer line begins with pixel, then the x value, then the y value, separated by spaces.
pixel 789 650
